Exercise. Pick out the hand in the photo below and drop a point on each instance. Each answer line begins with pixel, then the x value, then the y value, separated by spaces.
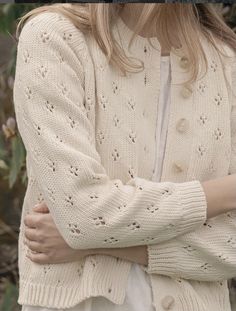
pixel 45 242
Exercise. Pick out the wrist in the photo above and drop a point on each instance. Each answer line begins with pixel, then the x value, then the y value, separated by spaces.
pixel 220 194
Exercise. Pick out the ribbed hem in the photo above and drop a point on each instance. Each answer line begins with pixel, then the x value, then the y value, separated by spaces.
pixel 194 203
pixel 111 284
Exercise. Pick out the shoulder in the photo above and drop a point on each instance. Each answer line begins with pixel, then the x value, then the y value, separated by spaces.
pixel 52 27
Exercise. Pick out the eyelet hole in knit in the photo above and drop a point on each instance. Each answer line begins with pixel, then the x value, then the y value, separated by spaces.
pixel 49 106
pixel 213 65
pixel 28 92
pixel 100 136
pixel 218 99
pixel 232 242
pixel 44 37
pixel 189 248
pixel 166 192
pixel 46 269
pixel 62 88
pixel 134 225
pixel 206 224
pixel 116 121
pixel 103 102
pixel 111 240
pixel 74 229
pixel 201 150
pixel 218 134
pixel 205 266
pixel 115 87
pixel 145 78
pixel 69 201
pixel 202 119
pixel 152 209
pixel 43 71
pixel 67 36
pixel 115 155
pixel 132 136
pixel 99 221
pixel 26 56
pixel 131 171
pixel 116 184
pixel 93 262
pixel 59 139
pixel 94 196
pixel 131 103
pixel 51 165
pixel 74 170
pixel 51 193
pixel 122 207
pixel 71 122
pixel 40 198
pixel 201 87
pixel 147 239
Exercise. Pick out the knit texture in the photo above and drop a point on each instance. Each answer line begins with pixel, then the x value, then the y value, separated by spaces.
pixel 90 140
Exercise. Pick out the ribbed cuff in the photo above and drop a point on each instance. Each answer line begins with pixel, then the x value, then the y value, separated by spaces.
pixel 163 258
pixel 193 200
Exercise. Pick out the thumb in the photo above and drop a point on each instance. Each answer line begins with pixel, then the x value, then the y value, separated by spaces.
pixel 41 208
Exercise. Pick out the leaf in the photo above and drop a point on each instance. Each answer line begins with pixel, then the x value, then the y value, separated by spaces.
pixel 17 160
pixel 3 165
pixel 3 152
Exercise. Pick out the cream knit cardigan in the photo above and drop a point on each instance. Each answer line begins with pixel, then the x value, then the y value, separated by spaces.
pixel 90 140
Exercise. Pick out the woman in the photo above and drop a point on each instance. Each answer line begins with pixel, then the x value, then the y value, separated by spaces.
pixel 133 166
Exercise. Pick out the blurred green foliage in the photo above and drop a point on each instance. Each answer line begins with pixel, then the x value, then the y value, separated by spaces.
pixel 13 177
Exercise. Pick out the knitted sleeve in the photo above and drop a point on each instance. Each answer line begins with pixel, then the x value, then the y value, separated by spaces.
pixel 209 253
pixel 90 209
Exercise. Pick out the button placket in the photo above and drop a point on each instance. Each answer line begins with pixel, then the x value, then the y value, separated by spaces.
pixel 175 161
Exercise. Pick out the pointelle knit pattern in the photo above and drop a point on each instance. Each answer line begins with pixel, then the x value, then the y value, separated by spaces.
pixel 90 140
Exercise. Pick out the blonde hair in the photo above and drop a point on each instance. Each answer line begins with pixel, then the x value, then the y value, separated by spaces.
pixel 187 20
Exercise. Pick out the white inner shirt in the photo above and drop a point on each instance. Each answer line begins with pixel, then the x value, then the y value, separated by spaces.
pixel 139 291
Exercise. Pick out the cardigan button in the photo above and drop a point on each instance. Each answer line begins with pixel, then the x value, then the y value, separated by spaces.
pixel 186 91
pixel 182 125
pixel 167 302
pixel 184 62
pixel 177 167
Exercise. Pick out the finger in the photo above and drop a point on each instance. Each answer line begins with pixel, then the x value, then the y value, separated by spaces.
pixel 34 246
pixel 33 220
pixel 31 234
pixel 40 258
pixel 41 208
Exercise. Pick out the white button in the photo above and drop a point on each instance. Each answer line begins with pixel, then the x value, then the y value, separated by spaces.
pixel 182 125
pixel 186 91
pixel 177 167
pixel 184 62
pixel 167 302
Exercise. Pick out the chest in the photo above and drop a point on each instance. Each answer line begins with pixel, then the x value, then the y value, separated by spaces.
pixel 126 111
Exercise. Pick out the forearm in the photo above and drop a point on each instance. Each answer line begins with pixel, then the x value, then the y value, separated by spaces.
pixel 220 195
